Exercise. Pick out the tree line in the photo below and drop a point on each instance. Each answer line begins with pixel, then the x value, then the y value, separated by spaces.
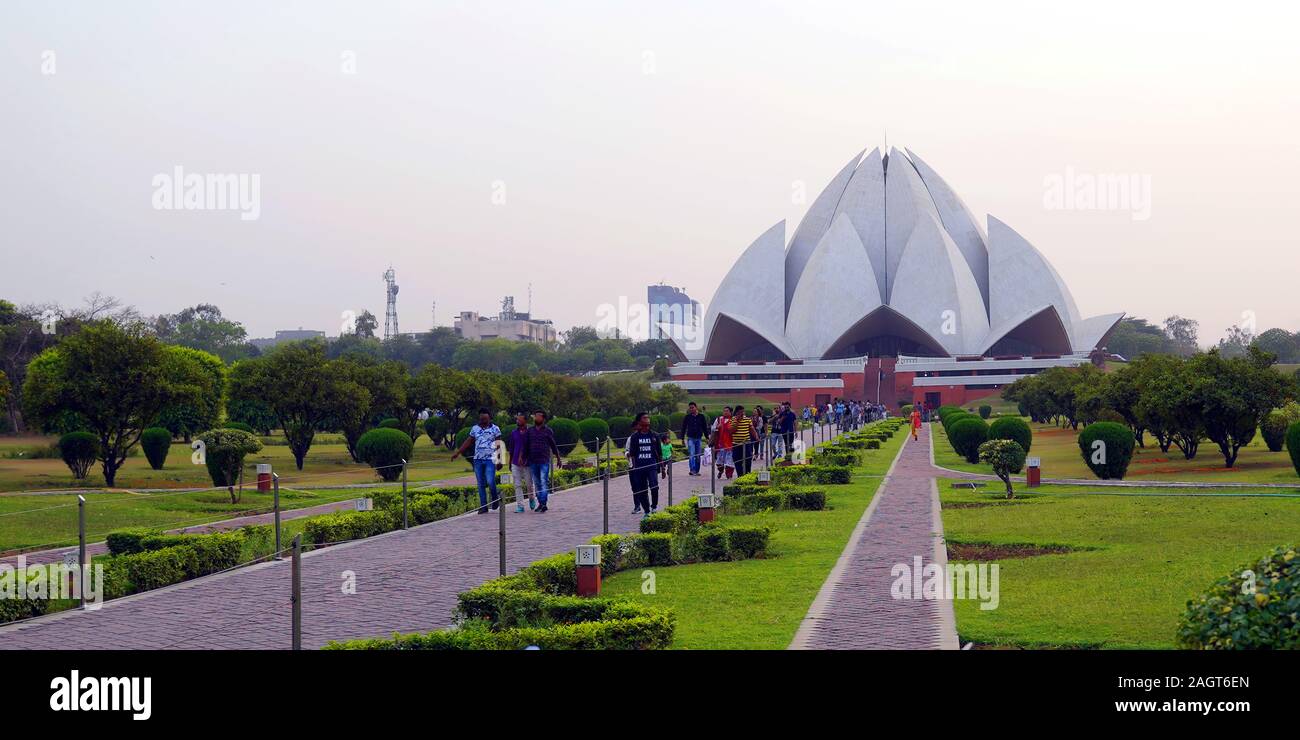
pixel 1178 401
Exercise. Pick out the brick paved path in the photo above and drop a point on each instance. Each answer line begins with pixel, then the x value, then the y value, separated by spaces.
pixel 405 581
pixel 854 609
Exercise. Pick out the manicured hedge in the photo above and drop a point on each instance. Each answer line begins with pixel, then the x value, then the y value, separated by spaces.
pixel 619 428
pixel 79 451
pixel 156 442
pixel 966 434
pixel 566 433
pixel 146 561
pixel 1118 444
pixel 384 449
pixel 593 430
pixel 1013 428
pixel 342 526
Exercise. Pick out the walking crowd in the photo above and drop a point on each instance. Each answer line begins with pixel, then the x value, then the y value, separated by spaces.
pixel 728 445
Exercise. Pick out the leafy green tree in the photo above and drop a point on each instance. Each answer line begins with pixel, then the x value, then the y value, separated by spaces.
pixel 1234 394
pixel 116 378
pixel 224 451
pixel 304 391
pixel 365 325
pixel 455 393
pixel 385 383
pixel 1006 457
pixel 202 327
pixel 1280 342
pixel 1167 405
pixel 205 372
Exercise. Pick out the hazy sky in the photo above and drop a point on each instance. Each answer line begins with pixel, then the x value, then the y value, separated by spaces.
pixel 630 143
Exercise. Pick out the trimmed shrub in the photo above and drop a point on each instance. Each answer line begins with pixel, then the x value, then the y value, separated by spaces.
pixel 656 548
pixel 384 449
pixel 591 431
pixel 342 526
pixel 659 423
pixel 953 418
pixel 424 509
pixel 747 541
pixel 557 574
pixel 805 500
pixel 462 434
pixel 630 628
pixel 126 541
pixel 566 434
pixel 1225 618
pixel 1293 445
pixel 986 412
pixel 1013 428
pixel 241 426
pixel 660 522
pixel 1275 423
pixel 1107 449
pixel 706 543
pixel 754 502
pixel 675 420
pixel 390 423
pixel 821 474
pixel 619 428
pixel 967 434
pixel 155 441
pixel 224 451
pixel 79 451
pixel 436 428
pixel 611 552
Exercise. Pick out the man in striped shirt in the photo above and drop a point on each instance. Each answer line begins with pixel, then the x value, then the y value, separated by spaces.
pixel 742 433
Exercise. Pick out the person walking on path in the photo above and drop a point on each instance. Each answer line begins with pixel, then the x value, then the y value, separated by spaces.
pixel 721 444
pixel 643 453
pixel 694 425
pixel 484 438
pixel 916 423
pixel 541 446
pixel 742 433
pixel 519 470
pixel 785 425
pixel 665 454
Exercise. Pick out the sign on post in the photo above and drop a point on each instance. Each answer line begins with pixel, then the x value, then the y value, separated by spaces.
pixel 364 504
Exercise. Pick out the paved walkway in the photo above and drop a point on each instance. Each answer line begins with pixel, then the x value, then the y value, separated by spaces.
pixel 406 581
pixel 854 609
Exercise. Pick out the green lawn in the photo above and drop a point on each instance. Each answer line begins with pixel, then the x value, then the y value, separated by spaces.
pixel 37 522
pixel 758 604
pixel 327 463
pixel 1139 559
pixel 1059 450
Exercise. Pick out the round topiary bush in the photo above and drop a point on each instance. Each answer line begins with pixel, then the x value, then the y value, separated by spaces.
pixel 1013 428
pixel 1252 608
pixel 223 454
pixel 462 434
pixel 675 421
pixel 966 435
pixel 155 441
pixel 436 428
pixel 79 451
pixel 905 409
pixel 566 434
pixel 1273 430
pixel 591 431
pixel 619 428
pixel 986 412
pixel 241 426
pixel 390 423
pixel 953 418
pixel 1293 445
pixel 384 449
pixel 659 423
pixel 1107 449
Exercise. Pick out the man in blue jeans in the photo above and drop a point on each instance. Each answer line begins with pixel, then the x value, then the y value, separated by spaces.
pixel 486 458
pixel 541 445
pixel 694 425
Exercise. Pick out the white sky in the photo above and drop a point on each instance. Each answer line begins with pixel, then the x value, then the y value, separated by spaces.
pixel 615 178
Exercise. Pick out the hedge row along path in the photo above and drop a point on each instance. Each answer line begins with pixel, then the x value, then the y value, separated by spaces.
pixel 55 555
pixel 406 581
pixel 854 609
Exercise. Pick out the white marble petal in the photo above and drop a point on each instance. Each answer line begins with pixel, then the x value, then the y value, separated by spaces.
pixel 907 202
pixel 864 203
pixel 1021 278
pixel 838 288
pixel 1090 332
pixel 814 224
pixel 960 224
pixel 1045 313
pixel 935 289
pixel 752 293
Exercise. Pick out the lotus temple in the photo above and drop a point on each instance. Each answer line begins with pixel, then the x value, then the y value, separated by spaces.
pixel 890 290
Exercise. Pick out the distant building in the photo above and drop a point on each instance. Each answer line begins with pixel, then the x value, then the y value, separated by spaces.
pixel 516 327
pixel 669 305
pixel 287 335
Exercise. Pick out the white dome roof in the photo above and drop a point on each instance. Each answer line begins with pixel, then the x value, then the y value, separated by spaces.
pixel 888 260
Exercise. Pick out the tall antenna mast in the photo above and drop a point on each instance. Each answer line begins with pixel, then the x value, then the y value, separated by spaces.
pixel 435 315
pixel 530 300
pixel 390 312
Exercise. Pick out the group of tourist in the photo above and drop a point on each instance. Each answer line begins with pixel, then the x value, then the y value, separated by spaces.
pixel 729 444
